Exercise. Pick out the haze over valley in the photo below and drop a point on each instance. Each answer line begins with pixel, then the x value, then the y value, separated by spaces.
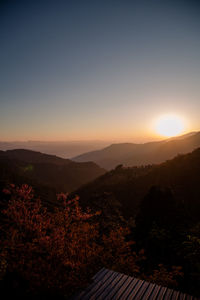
pixel 63 149
pixel 129 154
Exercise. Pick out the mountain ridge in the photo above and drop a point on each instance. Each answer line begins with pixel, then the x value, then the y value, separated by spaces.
pixel 130 154
pixel 42 169
pixel 128 186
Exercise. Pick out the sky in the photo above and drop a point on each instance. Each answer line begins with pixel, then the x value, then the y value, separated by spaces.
pixel 83 70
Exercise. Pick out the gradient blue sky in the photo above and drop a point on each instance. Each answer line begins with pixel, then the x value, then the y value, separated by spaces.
pixel 74 70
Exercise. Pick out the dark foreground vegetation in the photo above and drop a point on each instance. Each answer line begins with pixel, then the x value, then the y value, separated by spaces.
pixel 142 221
pixel 55 253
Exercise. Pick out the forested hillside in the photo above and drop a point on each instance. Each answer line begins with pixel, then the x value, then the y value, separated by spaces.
pixel 129 185
pixel 38 169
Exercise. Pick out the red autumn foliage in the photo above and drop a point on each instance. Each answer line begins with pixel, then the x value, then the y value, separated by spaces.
pixel 59 250
pixel 162 276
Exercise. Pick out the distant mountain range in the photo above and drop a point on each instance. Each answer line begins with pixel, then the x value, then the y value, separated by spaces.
pixel 64 149
pixel 130 154
pixel 38 169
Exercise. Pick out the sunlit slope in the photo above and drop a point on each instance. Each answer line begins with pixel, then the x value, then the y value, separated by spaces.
pixel 130 154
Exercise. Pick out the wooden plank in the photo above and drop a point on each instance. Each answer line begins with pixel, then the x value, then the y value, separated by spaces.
pixel 104 291
pixel 134 291
pixel 130 286
pixel 142 290
pixel 189 297
pixel 168 294
pixel 98 276
pixel 148 292
pixel 155 293
pixel 162 292
pixel 116 289
pixel 94 285
pixel 175 295
pixel 182 296
pixel 98 285
pixel 119 293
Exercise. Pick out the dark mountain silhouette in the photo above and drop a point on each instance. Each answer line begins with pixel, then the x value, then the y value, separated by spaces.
pixel 38 169
pixel 128 186
pixel 33 157
pixel 130 154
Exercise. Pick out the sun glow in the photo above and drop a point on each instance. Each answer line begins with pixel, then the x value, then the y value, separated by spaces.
pixel 169 125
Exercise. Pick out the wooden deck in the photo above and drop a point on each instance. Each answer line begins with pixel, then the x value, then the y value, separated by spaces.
pixel 112 285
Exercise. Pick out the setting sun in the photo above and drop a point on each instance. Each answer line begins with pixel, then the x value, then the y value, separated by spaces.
pixel 169 125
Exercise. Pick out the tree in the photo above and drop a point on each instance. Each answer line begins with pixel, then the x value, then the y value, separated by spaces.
pixel 58 251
